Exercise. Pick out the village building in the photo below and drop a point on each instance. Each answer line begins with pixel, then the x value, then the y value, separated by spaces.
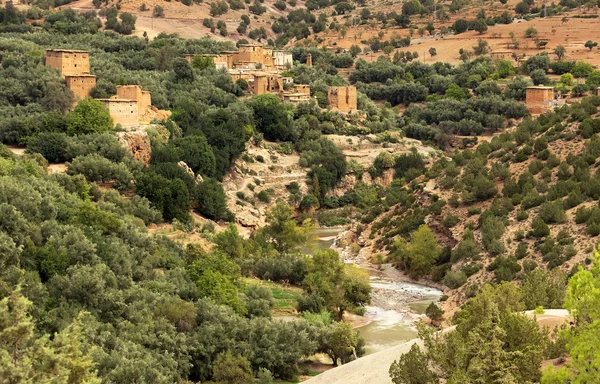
pixel 342 99
pixel 539 99
pixel 259 82
pixel 282 60
pixel 296 98
pixel 301 88
pixel 81 85
pixel 134 92
pixel 122 111
pixel 300 93
pixel 69 62
pixel 250 57
pixel 266 83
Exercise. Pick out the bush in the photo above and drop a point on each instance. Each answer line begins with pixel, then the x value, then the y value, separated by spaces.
pixel 454 279
pixel 97 168
pixel 309 202
pixel 450 220
pixel 552 212
pixel 434 312
pixel 210 200
pixel 89 116
pixel 539 228
pixel 264 197
pixel 51 145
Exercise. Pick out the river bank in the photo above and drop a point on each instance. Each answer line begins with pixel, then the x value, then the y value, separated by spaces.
pixel 397 302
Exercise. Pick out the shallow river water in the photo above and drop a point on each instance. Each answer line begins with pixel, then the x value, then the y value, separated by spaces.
pixel 387 327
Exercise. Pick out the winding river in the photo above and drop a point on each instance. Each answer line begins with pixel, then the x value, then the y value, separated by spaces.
pixel 396 304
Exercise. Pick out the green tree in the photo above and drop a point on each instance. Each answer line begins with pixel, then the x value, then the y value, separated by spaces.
pixel 25 359
pixel 480 26
pixel 89 116
pixel 183 70
pixel 210 200
pixel 590 44
pixel 232 369
pixel 583 345
pixel 412 368
pixel 560 52
pixel 272 117
pixel 283 231
pixel 418 256
pixel 340 341
pixel 340 287
pixel 455 92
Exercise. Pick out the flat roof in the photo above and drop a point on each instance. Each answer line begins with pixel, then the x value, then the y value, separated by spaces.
pixel 119 100
pixel 539 87
pixel 83 75
pixel 296 94
pixel 66 50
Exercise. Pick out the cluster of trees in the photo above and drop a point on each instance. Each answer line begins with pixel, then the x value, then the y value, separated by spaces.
pixel 77 262
pixel 457 112
pixel 539 195
pixel 481 22
pixel 499 343
pixel 496 342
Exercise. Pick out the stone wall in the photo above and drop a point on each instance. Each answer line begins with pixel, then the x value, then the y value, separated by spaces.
pixel 266 83
pixel 81 85
pixel 68 62
pixel 134 92
pixel 342 99
pixel 124 112
pixel 539 99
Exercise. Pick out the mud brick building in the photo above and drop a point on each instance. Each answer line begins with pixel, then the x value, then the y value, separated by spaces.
pixel 539 99
pixel 69 62
pixel 134 92
pixel 342 99
pixel 81 85
pixel 122 111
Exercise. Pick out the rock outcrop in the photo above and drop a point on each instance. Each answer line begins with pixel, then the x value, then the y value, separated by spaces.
pixel 138 144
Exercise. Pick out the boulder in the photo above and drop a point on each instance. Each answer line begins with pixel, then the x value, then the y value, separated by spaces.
pixel 138 144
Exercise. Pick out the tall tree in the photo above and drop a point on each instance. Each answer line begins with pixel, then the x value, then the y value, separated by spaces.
pixel 24 359
pixel 583 302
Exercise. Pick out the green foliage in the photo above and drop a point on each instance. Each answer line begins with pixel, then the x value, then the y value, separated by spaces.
pixel 545 289
pixel 337 286
pixel 272 118
pixel 89 116
pixel 419 255
pixel 412 368
pixel 496 342
pixel 24 357
pixel 434 312
pixel 582 302
pixel 170 197
pixel 210 200
pixel 232 369
pixel 282 231
pixel 340 342
pixel 454 279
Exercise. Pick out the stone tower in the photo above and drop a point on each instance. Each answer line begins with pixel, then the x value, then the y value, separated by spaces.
pixel 309 60
pixel 342 99
pixel 69 62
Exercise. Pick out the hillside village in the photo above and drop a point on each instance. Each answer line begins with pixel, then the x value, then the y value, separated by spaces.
pixel 267 191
